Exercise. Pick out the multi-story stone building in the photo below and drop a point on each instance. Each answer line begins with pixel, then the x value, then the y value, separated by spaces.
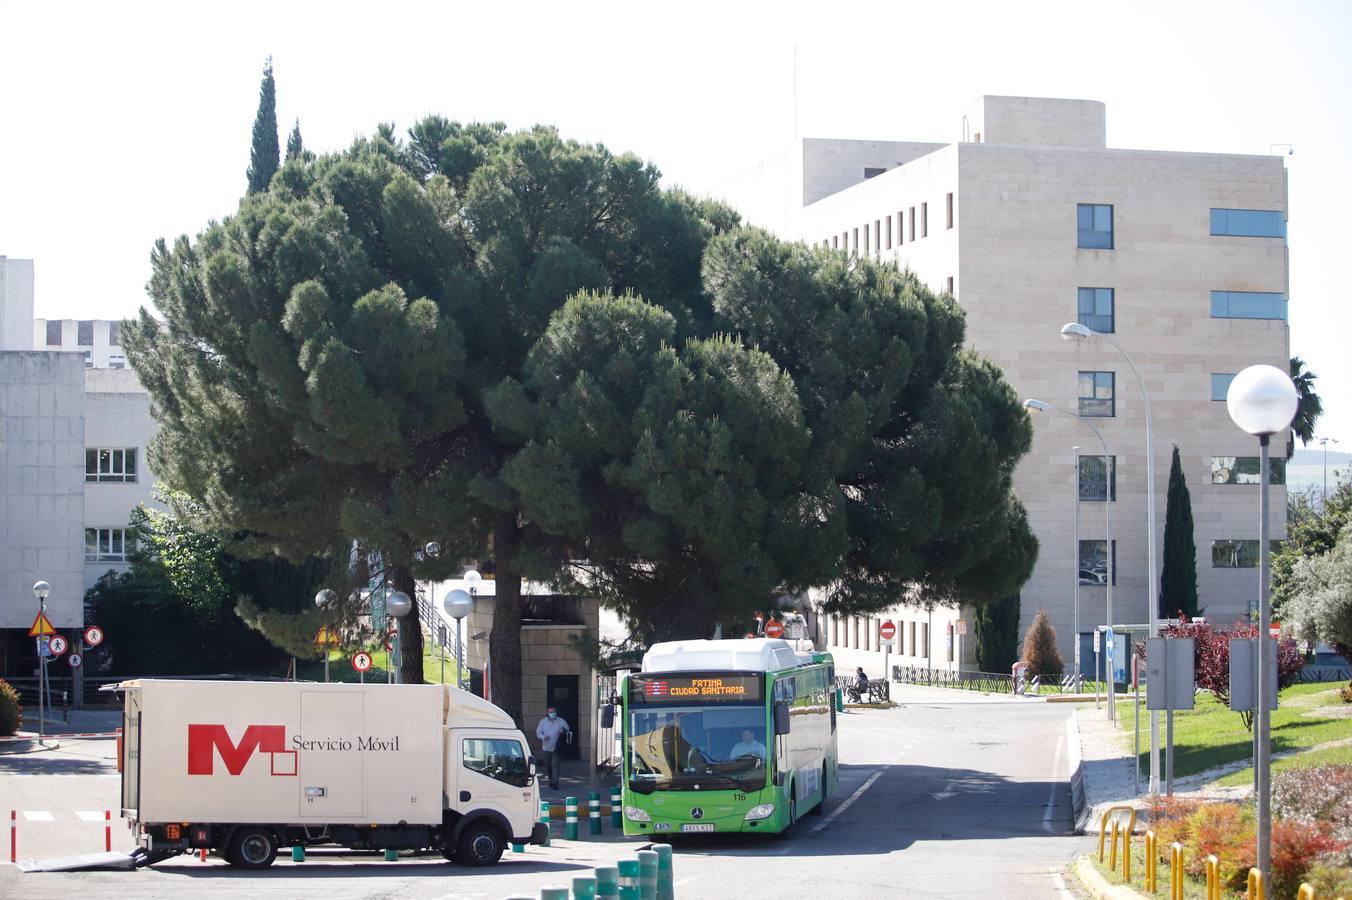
pixel 76 423
pixel 1031 221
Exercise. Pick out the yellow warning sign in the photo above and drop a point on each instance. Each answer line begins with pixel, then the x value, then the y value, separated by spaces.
pixel 327 637
pixel 42 626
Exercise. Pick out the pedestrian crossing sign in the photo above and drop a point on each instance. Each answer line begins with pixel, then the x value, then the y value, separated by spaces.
pixel 42 626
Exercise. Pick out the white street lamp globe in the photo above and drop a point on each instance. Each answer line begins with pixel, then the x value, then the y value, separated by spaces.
pixel 432 550
pixel 471 578
pixel 325 598
pixel 41 590
pixel 1074 331
pixel 1262 400
pixel 397 604
pixel 458 604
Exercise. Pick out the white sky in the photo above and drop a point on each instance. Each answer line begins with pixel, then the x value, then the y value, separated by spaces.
pixel 124 122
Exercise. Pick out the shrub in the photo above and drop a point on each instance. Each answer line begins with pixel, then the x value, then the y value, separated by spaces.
pixel 11 710
pixel 1227 831
pixel 1330 880
pixel 1346 694
pixel 1039 647
pixel 1296 848
pixel 1169 819
pixel 1316 794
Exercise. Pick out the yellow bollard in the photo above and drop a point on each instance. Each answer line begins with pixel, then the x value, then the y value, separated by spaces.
pixel 1152 861
pixel 1112 851
pixel 1107 815
pixel 1213 878
pixel 1305 893
pixel 1176 871
pixel 1126 856
pixel 1256 891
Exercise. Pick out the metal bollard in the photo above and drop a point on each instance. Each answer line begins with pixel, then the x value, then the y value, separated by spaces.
pixel 666 887
pixel 545 817
pixel 298 853
pixel 13 836
pixel 1176 871
pixel 594 811
pixel 1213 878
pixel 1152 861
pixel 1126 856
pixel 607 883
pixel 108 830
pixel 1306 892
pixel 629 875
pixel 518 848
pixel 570 818
pixel 647 875
pixel 1103 826
pixel 1256 889
pixel 1112 850
pixel 391 854
pixel 554 893
pixel 615 811
pixel 584 887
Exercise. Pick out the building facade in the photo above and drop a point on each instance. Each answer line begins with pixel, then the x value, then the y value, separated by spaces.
pixel 1031 221
pixel 75 423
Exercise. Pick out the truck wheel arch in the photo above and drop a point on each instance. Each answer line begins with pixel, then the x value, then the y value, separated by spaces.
pixel 481 816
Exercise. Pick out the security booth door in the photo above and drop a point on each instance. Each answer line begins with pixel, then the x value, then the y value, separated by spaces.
pixel 494 770
pixel 330 763
pixel 561 693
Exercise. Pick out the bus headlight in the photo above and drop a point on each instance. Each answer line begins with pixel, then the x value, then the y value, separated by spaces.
pixel 764 811
pixel 634 814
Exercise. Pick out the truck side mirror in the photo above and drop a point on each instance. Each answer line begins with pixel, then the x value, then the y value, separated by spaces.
pixel 781 719
pixel 533 763
pixel 607 716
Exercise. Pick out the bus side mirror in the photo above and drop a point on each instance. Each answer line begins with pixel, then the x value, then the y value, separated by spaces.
pixel 607 716
pixel 781 719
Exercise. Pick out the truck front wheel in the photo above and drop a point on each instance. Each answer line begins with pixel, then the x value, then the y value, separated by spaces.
pixel 252 848
pixel 480 844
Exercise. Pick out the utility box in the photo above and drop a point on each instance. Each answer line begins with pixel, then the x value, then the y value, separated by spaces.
pixel 1244 677
pixel 1170 675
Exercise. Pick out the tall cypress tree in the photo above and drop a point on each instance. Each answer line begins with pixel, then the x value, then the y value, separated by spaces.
pixel 1178 580
pixel 265 156
pixel 295 147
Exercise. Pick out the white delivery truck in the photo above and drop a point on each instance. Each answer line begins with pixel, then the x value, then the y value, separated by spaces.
pixel 246 767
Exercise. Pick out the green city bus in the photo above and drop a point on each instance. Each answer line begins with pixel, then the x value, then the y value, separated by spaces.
pixel 727 735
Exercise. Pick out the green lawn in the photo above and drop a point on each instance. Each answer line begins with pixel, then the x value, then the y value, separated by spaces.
pixel 1193 888
pixel 340 668
pixel 1327 757
pixel 1211 735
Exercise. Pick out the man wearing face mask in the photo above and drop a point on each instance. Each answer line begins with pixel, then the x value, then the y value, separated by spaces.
pixel 550 729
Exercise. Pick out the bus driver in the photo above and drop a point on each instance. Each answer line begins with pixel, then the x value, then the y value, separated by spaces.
pixel 748 746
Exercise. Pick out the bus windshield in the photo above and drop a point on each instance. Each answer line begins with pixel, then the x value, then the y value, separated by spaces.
pixel 674 748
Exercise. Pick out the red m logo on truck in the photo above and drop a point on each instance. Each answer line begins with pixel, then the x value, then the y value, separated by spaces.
pixel 205 741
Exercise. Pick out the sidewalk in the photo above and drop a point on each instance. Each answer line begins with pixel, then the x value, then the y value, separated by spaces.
pixel 81 723
pixel 575 781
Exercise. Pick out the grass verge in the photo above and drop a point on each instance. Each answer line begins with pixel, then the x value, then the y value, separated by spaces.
pixel 1192 887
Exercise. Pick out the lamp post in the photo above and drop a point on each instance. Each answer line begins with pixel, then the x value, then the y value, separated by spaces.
pixel 1041 406
pixel 397 605
pixel 1324 442
pixel 458 604
pixel 1074 331
pixel 1262 401
pixel 41 590
pixel 325 600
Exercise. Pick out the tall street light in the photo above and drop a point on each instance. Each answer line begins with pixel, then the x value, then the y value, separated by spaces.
pixel 1262 401
pixel 458 604
pixel 41 590
pixel 397 605
pixel 325 600
pixel 1042 406
pixel 1325 441
pixel 1074 331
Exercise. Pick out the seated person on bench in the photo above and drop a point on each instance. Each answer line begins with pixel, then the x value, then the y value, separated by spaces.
pixel 859 689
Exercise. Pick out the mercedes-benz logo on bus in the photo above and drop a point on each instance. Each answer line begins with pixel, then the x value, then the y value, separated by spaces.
pixel 697 813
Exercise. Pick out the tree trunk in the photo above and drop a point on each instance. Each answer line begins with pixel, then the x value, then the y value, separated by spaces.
pixel 504 641
pixel 410 629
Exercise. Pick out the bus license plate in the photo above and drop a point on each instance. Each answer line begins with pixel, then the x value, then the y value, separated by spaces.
pixel 697 828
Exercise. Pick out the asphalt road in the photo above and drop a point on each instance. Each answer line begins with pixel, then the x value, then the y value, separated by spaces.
pixel 947 796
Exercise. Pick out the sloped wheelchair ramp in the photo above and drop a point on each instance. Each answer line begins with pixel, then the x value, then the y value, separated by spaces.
pixel 78 863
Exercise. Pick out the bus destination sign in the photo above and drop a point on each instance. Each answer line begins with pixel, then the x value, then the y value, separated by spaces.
pixel 697 688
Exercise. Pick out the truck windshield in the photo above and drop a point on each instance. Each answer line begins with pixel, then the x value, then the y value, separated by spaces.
pixel 697 748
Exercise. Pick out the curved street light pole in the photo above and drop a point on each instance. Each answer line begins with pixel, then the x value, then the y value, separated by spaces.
pixel 1040 406
pixel 1076 331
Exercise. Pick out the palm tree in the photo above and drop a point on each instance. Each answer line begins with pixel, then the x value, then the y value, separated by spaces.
pixel 1309 407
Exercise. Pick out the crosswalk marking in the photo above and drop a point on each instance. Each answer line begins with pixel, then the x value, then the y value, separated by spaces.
pixel 37 815
pixel 89 815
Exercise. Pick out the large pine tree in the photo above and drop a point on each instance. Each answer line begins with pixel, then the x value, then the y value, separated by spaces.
pixel 265 154
pixel 1178 578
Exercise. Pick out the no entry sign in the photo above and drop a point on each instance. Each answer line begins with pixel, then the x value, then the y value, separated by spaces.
pixel 361 661
pixel 888 630
pixel 774 629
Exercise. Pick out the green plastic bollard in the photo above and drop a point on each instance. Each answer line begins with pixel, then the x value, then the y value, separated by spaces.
pixel 666 887
pixel 584 887
pixel 840 700
pixel 298 853
pixel 647 875
pixel 570 818
pixel 545 817
pixel 594 811
pixel 518 848
pixel 554 893
pixel 607 883
pixel 629 875
pixel 615 810
pixel 391 854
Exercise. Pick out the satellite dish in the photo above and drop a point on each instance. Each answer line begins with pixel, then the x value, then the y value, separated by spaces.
pixel 458 604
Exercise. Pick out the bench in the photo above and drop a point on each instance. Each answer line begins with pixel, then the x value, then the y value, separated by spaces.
pixel 878 692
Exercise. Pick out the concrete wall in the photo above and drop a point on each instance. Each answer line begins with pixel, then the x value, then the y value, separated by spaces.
pixel 16 303
pixel 1036 120
pixel 101 352
pixel 41 486
pixel 117 416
